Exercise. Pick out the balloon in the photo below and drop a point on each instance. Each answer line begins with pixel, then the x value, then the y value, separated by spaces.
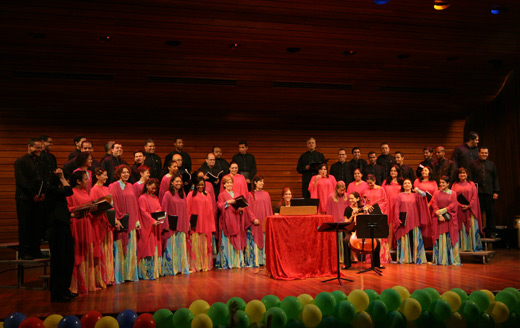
pixel 462 294
pixel 441 310
pixel 306 299
pixel 126 319
pixel 89 319
pixel 107 322
pixel 275 318
pixel 489 294
pixel 14 320
pixel 508 298
pixel 484 321
pixel 339 296
pixel 326 302
pixel 31 322
pixel 219 313
pixel 372 295
pixel 481 299
pixel 182 318
pixel 402 291
pixel 292 307
pixel 512 322
pixel 513 290
pixel 163 318
pixel 256 311
pixel 69 321
pixel 433 293
pixel 470 311
pixel 498 311
pixel 346 311
pixel 360 299
pixel 425 320
pixel 52 321
pixel 395 319
pixel 456 320
pixel 330 321
pixel 145 320
pixel 199 306
pixel 238 301
pixel 294 324
pixel 424 298
pixel 240 320
pixel 391 298
pixel 311 315
pixel 453 300
pixel 201 320
pixel 411 308
pixel 271 301
pixel 377 310
pixel 362 320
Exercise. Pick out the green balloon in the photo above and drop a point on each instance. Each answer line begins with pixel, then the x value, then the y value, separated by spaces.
pixel 339 296
pixel 515 292
pixel 326 302
pixel 346 312
pixel 462 294
pixel 426 320
pixel 483 320
pixel 481 299
pixel 508 298
pixel 275 318
pixel 219 313
pixel 182 318
pixel 163 318
pixel 294 324
pixel 512 322
pixel 271 301
pixel 395 319
pixel 292 307
pixel 377 310
pixel 330 321
pixel 441 310
pixel 240 320
pixel 434 294
pixel 391 298
pixel 237 301
pixel 372 295
pixel 470 311
pixel 424 298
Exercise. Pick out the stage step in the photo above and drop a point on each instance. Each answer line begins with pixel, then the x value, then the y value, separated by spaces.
pixel 488 242
pixel 21 265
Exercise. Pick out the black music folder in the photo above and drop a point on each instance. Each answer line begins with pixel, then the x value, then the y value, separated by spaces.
pixel 172 221
pixel 240 201
pixel 402 217
pixel 462 200
pixel 194 218
pixel 111 215
pixel 159 216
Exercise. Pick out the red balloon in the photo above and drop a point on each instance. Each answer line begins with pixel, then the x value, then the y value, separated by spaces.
pixel 31 322
pixel 89 319
pixel 145 320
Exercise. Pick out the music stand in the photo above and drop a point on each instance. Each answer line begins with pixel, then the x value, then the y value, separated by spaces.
pixel 372 226
pixel 336 226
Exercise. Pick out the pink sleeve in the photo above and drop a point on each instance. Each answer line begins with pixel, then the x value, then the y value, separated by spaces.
pixel 312 188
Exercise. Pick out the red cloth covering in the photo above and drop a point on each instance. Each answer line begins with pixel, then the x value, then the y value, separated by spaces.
pixel 149 235
pixel 431 187
pixel 175 205
pixel 211 191
pixel 100 223
pixel 81 228
pixel 239 185
pixel 138 189
pixel 296 250
pixel 89 176
pixel 260 206
pixel 230 221
pixel 337 209
pixel 125 202
pixel 418 213
pixel 469 190
pixel 449 201
pixel 322 190
pixel 392 190
pixel 202 206
pixel 377 195
pixel 165 186
pixel 360 188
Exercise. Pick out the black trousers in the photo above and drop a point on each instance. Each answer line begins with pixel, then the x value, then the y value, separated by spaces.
pixel 487 205
pixel 30 227
pixel 61 245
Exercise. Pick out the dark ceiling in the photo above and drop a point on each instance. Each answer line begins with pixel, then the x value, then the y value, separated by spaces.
pixel 261 62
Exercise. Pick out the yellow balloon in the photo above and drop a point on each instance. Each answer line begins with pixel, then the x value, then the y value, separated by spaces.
pixel 489 294
pixel 199 306
pixel 311 315
pixel 456 320
pixel 107 322
pixel 362 320
pixel 255 309
pixel 52 321
pixel 306 299
pixel 453 300
pixel 201 320
pixel 402 291
pixel 2 324
pixel 411 309
pixel 498 311
pixel 359 299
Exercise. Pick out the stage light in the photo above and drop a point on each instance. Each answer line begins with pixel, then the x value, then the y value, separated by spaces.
pixel 380 2
pixel 234 45
pixel 349 52
pixel 441 4
pixel 498 10
pixel 105 38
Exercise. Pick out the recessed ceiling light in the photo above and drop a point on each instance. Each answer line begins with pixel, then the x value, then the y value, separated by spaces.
pixel 498 10
pixel 380 2
pixel 441 4
pixel 234 45
pixel 349 52
pixel 105 38
pixel 172 43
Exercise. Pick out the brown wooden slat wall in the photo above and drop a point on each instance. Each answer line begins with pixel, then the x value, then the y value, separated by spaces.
pixel 276 151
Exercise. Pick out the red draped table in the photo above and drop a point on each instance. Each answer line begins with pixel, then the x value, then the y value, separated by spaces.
pixel 295 249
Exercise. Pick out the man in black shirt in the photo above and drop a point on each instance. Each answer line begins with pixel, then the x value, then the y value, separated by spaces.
pixel 341 169
pixel 77 142
pixel 212 173
pixel 183 173
pixel 152 160
pixel 308 165
pixel 111 162
pixel 465 154
pixel 70 166
pixel 246 162
pixel 484 173
pixel 186 159
pixel 108 149
pixel 443 166
pixel 47 157
pixel 385 159
pixel 428 161
pixel 29 172
pixel 406 170
pixel 139 159
pixel 356 162
pixel 373 168
pixel 220 163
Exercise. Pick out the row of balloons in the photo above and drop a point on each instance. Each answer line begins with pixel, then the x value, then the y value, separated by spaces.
pixel 394 307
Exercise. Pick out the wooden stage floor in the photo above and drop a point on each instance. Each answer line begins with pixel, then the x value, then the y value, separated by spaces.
pixel 253 283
